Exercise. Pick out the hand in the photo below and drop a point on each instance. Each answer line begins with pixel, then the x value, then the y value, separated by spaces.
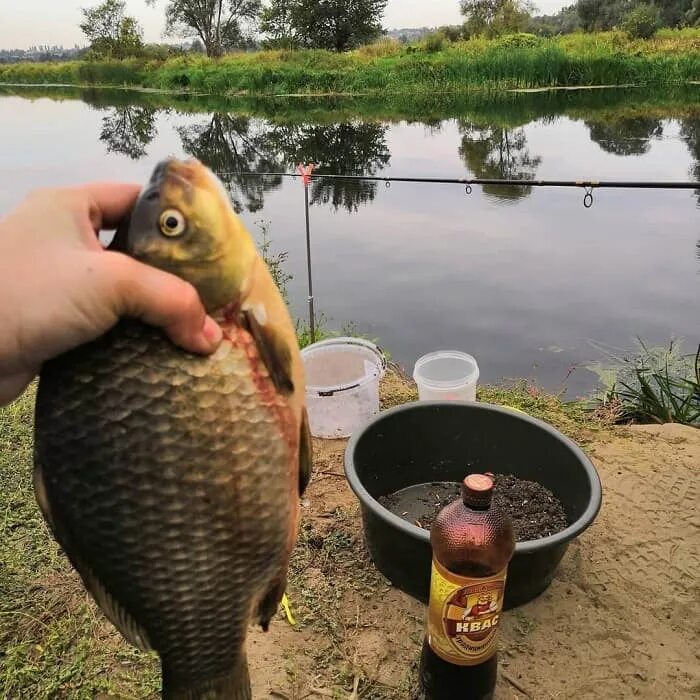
pixel 60 288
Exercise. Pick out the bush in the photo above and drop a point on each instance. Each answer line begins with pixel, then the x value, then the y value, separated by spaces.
pixel 642 22
pixel 434 42
pixel 451 33
pixel 518 41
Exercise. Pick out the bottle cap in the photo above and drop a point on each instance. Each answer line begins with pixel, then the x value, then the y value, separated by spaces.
pixel 477 490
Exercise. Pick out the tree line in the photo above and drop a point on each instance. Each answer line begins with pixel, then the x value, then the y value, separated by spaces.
pixel 218 26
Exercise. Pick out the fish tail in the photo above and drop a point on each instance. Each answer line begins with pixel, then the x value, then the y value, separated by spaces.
pixel 234 685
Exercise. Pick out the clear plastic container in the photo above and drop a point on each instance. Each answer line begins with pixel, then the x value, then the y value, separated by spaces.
pixel 342 385
pixel 446 375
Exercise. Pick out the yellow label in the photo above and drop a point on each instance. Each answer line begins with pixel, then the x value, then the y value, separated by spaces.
pixel 464 615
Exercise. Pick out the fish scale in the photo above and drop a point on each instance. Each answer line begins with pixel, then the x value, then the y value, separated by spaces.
pixel 170 474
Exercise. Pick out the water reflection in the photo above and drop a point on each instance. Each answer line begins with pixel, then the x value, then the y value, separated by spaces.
pixel 232 145
pixel 129 130
pixel 690 133
pixel 625 137
pixel 496 152
pixel 350 148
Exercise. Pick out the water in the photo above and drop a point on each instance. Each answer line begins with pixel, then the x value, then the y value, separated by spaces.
pixel 522 279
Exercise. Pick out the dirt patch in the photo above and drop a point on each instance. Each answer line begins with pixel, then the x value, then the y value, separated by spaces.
pixel 534 510
pixel 618 620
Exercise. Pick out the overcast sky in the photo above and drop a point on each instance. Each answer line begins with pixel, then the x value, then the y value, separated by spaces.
pixel 24 23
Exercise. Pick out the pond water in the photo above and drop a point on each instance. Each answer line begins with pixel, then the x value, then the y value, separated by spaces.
pixel 525 279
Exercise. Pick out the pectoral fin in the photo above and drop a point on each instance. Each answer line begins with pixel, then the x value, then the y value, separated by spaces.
pixel 305 453
pixel 273 350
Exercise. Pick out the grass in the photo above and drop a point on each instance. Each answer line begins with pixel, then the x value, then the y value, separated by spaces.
pixel 652 385
pixel 578 59
pixel 53 642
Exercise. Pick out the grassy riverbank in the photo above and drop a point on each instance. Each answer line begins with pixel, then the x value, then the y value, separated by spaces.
pixel 508 62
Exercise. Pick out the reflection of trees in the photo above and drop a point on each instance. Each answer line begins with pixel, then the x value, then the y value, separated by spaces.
pixel 129 130
pixel 690 133
pixel 494 152
pixel 626 137
pixel 352 148
pixel 231 145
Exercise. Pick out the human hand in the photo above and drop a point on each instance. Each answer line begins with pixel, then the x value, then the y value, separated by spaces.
pixel 59 288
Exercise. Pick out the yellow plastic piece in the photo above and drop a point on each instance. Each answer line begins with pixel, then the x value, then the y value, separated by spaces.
pixel 288 610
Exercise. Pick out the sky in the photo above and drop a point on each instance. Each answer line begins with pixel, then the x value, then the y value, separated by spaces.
pixel 24 24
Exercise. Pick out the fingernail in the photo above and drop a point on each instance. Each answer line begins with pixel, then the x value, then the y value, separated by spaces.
pixel 212 331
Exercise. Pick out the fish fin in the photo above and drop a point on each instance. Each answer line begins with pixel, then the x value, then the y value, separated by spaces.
pixel 270 603
pixel 273 350
pixel 111 607
pixel 306 456
pixel 234 685
pixel 114 611
pixel 42 496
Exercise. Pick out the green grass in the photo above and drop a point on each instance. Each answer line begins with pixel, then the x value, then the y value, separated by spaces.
pixel 651 385
pixel 53 642
pixel 579 59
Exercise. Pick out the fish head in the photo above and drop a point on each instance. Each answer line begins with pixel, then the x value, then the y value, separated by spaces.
pixel 183 223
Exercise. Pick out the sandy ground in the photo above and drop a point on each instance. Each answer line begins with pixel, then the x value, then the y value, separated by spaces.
pixel 620 620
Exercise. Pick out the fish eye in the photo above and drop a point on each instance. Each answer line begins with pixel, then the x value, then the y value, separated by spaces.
pixel 172 223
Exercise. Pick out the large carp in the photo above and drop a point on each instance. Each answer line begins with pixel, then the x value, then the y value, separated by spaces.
pixel 171 480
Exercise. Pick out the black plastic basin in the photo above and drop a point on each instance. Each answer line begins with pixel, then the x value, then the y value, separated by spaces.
pixel 439 441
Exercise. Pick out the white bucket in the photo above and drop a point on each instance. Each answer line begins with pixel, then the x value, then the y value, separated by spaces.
pixel 342 385
pixel 447 375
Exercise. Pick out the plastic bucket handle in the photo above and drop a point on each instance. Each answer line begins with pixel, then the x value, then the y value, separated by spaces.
pixel 360 342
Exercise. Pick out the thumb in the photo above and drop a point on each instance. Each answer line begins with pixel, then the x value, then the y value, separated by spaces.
pixel 164 300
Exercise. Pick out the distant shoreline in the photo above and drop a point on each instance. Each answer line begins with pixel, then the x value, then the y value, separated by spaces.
pixel 515 62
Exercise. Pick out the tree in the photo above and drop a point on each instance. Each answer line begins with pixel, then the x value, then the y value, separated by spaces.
pixel 337 25
pixel 276 23
pixel 232 145
pixel 692 16
pixel 499 153
pixel 129 130
pixel 565 21
pixel 642 22
pixel 495 17
pixel 350 148
pixel 589 13
pixel 110 32
pixel 219 24
pixel 690 134
pixel 625 137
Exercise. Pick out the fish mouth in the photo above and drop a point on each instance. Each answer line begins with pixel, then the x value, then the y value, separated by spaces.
pixel 176 177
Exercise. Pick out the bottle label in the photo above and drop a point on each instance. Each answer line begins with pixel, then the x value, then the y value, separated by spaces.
pixel 464 615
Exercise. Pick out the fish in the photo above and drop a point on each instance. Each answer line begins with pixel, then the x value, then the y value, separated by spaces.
pixel 173 481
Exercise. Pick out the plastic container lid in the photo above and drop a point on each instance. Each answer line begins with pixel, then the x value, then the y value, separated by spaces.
pixel 446 369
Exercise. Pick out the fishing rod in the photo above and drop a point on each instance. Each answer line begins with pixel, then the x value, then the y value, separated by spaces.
pixel 307 174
